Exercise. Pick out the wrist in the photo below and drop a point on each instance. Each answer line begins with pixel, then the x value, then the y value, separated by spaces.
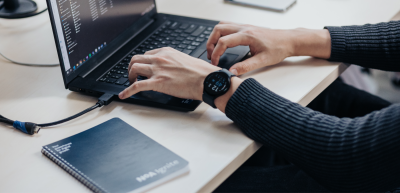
pixel 309 42
pixel 222 100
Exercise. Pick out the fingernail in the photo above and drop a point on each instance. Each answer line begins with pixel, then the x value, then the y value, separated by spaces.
pixel 121 95
pixel 234 71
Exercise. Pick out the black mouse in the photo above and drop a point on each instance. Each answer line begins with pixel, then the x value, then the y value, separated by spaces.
pixel 226 61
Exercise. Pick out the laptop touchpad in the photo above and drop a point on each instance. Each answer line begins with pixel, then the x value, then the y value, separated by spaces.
pixel 226 61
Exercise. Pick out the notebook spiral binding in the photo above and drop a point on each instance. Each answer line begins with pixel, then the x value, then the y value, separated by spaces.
pixel 71 171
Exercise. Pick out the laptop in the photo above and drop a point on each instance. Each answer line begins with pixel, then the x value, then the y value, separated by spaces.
pixel 96 40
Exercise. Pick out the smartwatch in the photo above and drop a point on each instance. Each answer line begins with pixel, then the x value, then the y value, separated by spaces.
pixel 216 84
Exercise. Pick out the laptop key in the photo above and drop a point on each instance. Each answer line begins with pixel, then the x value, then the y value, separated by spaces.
pixel 187 51
pixel 191 38
pixel 198 31
pixel 184 26
pixel 210 28
pixel 127 84
pixel 186 42
pixel 207 32
pixel 182 46
pixel 179 49
pixel 174 25
pixel 102 79
pixel 111 80
pixel 191 28
pixel 195 43
pixel 199 39
pixel 121 81
pixel 179 38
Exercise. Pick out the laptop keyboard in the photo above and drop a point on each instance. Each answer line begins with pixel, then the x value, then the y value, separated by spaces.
pixel 184 37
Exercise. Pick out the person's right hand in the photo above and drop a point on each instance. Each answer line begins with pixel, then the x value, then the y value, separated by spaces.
pixel 267 46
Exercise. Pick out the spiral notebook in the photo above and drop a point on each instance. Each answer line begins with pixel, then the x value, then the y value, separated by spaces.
pixel 115 157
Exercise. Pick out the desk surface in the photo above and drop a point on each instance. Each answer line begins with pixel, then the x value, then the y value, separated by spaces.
pixel 211 143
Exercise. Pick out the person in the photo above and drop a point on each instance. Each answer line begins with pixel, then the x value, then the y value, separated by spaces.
pixel 357 150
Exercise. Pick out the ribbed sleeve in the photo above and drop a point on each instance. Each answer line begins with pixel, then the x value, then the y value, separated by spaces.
pixel 372 45
pixel 361 154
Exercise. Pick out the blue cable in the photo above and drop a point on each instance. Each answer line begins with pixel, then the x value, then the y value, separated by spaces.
pixel 20 126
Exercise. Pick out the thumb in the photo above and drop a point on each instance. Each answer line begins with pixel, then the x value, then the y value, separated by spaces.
pixel 246 65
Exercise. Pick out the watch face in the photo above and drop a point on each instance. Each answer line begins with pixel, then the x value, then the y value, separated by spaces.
pixel 217 83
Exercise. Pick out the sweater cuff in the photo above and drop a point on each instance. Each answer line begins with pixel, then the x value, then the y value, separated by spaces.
pixel 338 43
pixel 238 104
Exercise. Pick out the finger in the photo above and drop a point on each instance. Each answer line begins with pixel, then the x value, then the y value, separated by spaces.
pixel 136 87
pixel 226 42
pixel 144 59
pixel 219 31
pixel 247 65
pixel 139 69
pixel 226 22
pixel 152 52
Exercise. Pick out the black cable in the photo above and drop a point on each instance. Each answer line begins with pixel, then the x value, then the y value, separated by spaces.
pixel 40 12
pixel 97 105
pixel 27 64
pixel 32 128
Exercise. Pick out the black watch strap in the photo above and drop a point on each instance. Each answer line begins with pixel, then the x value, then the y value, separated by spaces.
pixel 209 100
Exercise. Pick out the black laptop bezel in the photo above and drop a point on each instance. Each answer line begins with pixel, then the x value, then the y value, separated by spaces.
pixel 108 51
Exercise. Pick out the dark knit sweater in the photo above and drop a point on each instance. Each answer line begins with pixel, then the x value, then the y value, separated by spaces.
pixel 360 154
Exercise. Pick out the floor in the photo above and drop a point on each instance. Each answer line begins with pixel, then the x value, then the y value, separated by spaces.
pixel 384 87
pixel 376 82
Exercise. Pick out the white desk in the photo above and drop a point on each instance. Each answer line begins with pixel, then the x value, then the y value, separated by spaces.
pixel 211 143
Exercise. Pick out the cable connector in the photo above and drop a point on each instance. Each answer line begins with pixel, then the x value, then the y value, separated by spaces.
pixel 105 99
pixel 26 127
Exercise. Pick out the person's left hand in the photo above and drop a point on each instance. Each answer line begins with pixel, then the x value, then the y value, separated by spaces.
pixel 168 71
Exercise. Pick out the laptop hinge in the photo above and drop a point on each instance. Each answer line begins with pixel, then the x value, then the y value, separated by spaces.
pixel 123 44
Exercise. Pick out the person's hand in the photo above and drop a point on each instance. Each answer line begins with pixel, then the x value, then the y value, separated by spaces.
pixel 267 46
pixel 168 71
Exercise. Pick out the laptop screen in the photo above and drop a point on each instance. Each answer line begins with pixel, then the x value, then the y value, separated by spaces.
pixel 85 27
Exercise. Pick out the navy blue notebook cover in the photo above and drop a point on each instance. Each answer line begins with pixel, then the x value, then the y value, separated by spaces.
pixel 115 157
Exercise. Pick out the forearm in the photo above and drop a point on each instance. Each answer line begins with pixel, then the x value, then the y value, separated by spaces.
pixel 342 154
pixel 309 42
pixel 371 45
